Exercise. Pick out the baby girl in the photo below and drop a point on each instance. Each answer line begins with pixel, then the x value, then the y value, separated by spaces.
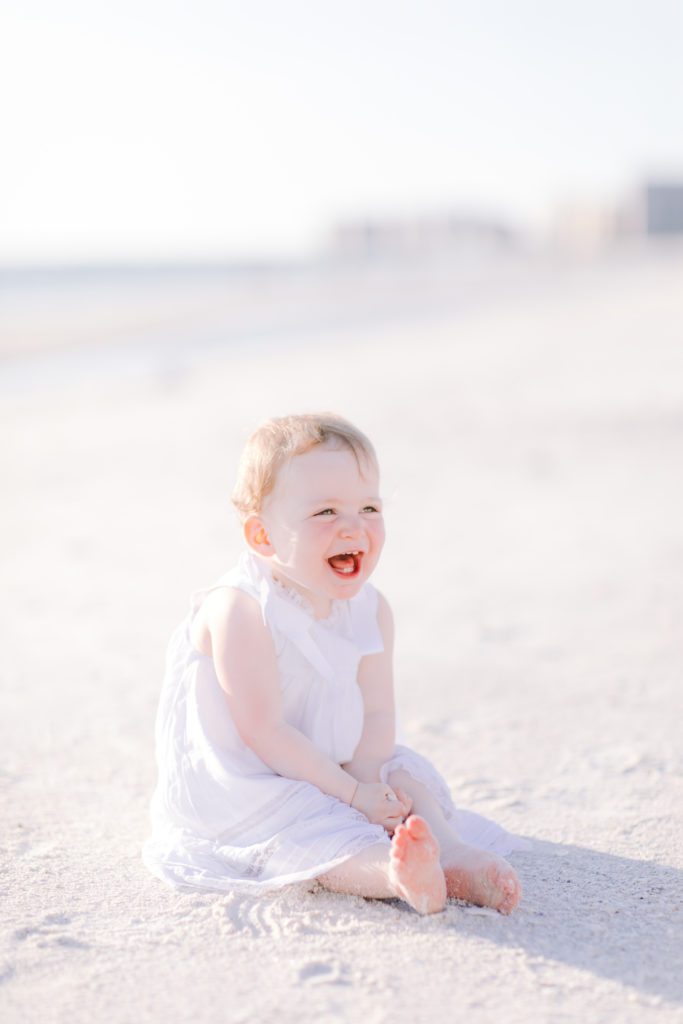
pixel 276 728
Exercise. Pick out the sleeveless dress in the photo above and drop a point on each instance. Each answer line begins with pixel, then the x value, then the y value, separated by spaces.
pixel 221 818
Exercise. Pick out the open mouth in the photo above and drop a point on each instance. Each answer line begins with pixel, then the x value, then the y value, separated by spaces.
pixel 346 564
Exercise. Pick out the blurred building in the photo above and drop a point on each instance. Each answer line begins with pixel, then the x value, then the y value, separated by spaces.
pixel 584 226
pixel 663 208
pixel 653 210
pixel 419 236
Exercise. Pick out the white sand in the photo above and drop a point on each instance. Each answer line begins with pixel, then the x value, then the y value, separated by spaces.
pixel 533 458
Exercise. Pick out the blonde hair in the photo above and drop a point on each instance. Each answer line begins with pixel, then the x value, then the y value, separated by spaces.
pixel 278 440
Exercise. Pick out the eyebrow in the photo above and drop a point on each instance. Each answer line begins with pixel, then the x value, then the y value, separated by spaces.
pixel 339 501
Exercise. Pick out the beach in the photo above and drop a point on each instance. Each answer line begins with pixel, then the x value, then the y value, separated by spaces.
pixel 531 451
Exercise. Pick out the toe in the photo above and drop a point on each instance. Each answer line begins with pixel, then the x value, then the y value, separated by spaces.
pixel 421 834
pixel 399 842
pixel 511 890
pixel 417 826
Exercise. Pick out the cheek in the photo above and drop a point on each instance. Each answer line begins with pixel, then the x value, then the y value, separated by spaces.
pixel 314 539
pixel 285 541
pixel 378 534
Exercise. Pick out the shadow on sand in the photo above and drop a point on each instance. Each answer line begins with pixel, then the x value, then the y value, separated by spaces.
pixel 617 918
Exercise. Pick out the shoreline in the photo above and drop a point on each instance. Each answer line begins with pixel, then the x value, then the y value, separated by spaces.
pixel 61 309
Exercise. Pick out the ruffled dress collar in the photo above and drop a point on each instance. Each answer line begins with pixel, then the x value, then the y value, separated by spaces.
pixel 332 644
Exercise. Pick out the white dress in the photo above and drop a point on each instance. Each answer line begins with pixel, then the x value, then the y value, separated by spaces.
pixel 221 818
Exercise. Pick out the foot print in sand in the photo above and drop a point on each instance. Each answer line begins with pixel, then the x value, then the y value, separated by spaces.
pixel 7 972
pixel 53 930
pixel 324 972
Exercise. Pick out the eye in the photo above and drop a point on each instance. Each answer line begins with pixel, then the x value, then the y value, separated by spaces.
pixel 326 512
pixel 371 508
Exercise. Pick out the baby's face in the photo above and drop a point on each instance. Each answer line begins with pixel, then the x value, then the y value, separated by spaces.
pixel 324 521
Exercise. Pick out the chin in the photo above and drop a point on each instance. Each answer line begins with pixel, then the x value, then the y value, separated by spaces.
pixel 344 589
pixel 345 593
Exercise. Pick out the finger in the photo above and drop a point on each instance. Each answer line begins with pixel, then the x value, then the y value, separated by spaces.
pixel 405 800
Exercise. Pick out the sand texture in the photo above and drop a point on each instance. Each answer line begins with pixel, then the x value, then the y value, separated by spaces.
pixel 532 457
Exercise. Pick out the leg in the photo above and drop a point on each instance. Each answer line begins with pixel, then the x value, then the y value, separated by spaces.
pixel 365 874
pixel 471 874
pixel 409 868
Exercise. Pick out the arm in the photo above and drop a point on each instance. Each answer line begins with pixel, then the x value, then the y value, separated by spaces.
pixel 242 650
pixel 246 667
pixel 375 678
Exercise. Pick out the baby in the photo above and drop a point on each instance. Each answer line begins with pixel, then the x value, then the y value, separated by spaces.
pixel 275 733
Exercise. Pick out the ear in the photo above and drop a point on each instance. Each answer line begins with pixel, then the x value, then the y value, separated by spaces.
pixel 256 536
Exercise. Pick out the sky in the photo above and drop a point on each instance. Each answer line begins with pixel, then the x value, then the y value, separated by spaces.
pixel 143 129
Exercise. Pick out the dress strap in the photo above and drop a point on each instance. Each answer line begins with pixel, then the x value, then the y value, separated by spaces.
pixel 240 578
pixel 198 597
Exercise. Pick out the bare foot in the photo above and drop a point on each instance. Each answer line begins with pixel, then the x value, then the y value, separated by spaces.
pixel 482 878
pixel 414 869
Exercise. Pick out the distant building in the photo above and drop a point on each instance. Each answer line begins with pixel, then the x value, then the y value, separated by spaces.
pixel 652 210
pixel 663 208
pixel 437 234
pixel 583 226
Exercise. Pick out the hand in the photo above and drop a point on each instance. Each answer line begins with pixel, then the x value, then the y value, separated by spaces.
pixel 406 807
pixel 381 805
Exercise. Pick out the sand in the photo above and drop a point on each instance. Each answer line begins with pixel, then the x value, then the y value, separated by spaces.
pixel 532 456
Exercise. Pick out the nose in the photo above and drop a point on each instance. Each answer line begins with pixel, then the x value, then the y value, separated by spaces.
pixel 351 527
